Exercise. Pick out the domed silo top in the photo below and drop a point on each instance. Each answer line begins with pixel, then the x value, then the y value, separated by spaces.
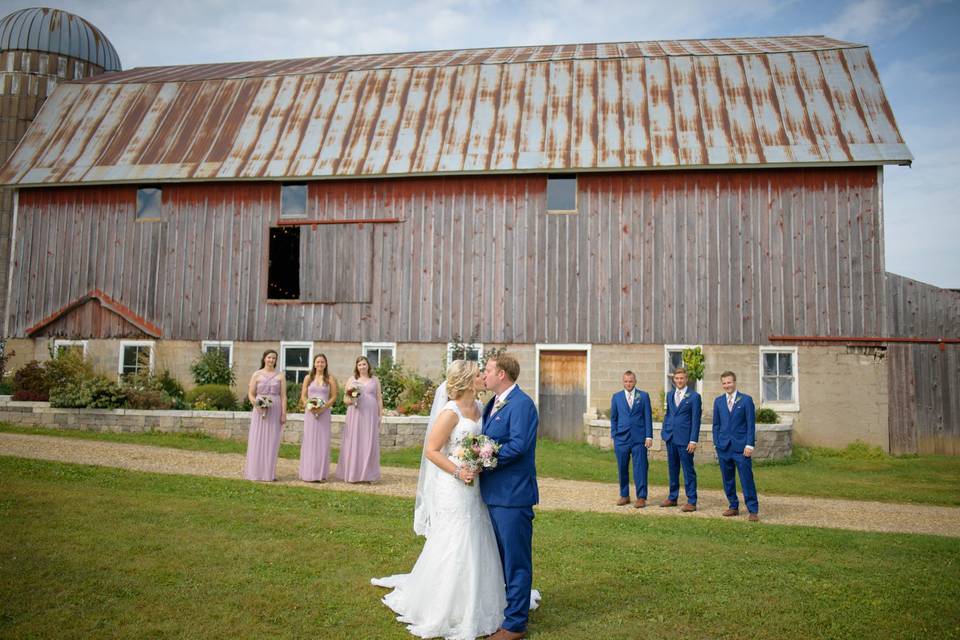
pixel 56 31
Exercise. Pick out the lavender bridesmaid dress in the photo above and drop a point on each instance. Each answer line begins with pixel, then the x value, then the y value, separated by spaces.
pixel 315 449
pixel 263 443
pixel 360 451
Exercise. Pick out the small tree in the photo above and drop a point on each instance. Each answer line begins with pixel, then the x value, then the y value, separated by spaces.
pixel 212 367
pixel 693 363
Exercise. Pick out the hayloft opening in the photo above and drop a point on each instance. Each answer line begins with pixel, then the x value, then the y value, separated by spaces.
pixel 283 273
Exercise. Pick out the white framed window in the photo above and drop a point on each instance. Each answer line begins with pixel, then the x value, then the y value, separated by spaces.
pixel 223 346
pixel 135 357
pixel 463 351
pixel 64 346
pixel 378 352
pixel 296 358
pixel 779 376
pixel 673 358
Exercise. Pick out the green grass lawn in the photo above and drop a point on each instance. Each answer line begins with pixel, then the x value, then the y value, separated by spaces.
pixel 856 473
pixel 89 552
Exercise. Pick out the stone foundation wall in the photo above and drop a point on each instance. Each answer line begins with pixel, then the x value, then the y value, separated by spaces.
pixel 395 432
pixel 774 441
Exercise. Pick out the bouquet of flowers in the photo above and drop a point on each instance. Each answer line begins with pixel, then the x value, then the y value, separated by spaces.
pixel 314 404
pixel 477 452
pixel 353 393
pixel 263 403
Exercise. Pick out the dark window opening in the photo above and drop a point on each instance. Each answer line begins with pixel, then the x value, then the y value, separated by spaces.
pixel 293 201
pixel 562 193
pixel 149 201
pixel 283 274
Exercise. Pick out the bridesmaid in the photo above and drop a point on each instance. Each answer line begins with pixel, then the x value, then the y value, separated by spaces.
pixel 360 451
pixel 266 425
pixel 315 449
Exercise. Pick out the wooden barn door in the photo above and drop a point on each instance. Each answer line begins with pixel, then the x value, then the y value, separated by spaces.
pixel 923 383
pixel 562 394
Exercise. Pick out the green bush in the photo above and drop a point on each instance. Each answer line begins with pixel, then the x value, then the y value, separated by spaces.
pixel 212 368
pixel 293 398
pixel 93 393
pixel 6 386
pixel 171 386
pixel 339 407
pixel 67 366
pixel 31 383
pixel 659 409
pixel 148 399
pixel 766 415
pixel 416 398
pixel 218 397
pixel 693 363
pixel 391 376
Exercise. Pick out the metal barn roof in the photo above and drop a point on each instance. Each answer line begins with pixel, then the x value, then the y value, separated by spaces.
pixel 60 32
pixel 749 102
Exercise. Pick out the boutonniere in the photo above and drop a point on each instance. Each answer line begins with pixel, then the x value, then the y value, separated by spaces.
pixel 736 401
pixel 499 404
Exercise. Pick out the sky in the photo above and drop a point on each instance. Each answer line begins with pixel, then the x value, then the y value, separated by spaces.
pixel 913 42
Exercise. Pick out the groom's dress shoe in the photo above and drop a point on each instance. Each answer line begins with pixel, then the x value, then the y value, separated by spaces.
pixel 623 500
pixel 668 503
pixel 503 634
pixel 689 507
pixel 731 512
pixel 640 503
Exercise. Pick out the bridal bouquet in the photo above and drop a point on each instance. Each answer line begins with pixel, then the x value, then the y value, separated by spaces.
pixel 353 393
pixel 314 404
pixel 477 452
pixel 263 403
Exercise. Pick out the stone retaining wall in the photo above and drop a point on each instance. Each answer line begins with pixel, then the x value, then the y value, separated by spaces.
pixel 395 431
pixel 774 441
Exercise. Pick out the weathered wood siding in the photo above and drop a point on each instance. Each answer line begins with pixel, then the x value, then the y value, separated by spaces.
pixel 924 395
pixel 919 310
pixel 727 257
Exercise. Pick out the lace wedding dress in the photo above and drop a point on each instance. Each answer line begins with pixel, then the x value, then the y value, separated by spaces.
pixel 456 588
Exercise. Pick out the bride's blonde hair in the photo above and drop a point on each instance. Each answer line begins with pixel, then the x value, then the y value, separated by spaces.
pixel 460 377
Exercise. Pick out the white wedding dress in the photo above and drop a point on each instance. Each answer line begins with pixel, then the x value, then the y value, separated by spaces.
pixel 456 588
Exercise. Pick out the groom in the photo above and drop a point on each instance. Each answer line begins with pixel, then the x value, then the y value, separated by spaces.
pixel 510 488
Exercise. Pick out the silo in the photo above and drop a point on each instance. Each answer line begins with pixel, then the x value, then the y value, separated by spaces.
pixel 39 47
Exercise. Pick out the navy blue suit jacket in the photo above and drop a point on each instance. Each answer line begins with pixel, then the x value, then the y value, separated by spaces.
pixel 681 425
pixel 630 426
pixel 737 428
pixel 513 482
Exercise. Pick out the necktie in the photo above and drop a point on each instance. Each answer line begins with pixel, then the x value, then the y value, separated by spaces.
pixel 677 396
pixel 630 400
pixel 729 403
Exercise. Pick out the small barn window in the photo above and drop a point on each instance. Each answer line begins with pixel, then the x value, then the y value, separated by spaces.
pixel 674 358
pixel 223 347
pixel 462 351
pixel 293 201
pixel 61 347
pixel 379 352
pixel 149 201
pixel 562 194
pixel 296 358
pixel 778 378
pixel 136 356
pixel 283 272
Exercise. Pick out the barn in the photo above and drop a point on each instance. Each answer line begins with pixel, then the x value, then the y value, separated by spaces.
pixel 593 207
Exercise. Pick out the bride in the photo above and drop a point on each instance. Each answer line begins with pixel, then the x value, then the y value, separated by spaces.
pixel 456 588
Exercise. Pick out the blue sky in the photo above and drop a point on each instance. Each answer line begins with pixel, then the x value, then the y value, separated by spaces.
pixel 914 43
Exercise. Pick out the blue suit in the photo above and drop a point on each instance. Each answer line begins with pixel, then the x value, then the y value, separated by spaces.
pixel 510 491
pixel 732 432
pixel 629 428
pixel 681 426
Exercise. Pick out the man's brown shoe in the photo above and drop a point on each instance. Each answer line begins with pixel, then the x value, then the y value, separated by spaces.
pixel 503 634
pixel 753 517
pixel 731 512
pixel 640 503
pixel 668 503
pixel 623 500
pixel 687 508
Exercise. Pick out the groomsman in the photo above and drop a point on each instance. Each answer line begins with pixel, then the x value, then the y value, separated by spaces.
pixel 734 437
pixel 631 428
pixel 681 431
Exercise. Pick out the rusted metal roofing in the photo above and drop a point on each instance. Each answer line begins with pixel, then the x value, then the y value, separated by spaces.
pixel 625 106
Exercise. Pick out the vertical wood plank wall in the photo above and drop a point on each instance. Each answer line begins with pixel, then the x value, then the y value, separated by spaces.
pixel 924 395
pixel 706 257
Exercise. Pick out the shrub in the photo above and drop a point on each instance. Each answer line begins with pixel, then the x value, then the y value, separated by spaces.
pixel 30 382
pixel 245 404
pixel 293 398
pixel 212 396
pixel 339 407
pixel 6 386
pixel 212 368
pixel 693 363
pixel 93 393
pixel 766 415
pixel 67 366
pixel 391 376
pixel 172 387
pixel 416 398
pixel 659 409
pixel 148 399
